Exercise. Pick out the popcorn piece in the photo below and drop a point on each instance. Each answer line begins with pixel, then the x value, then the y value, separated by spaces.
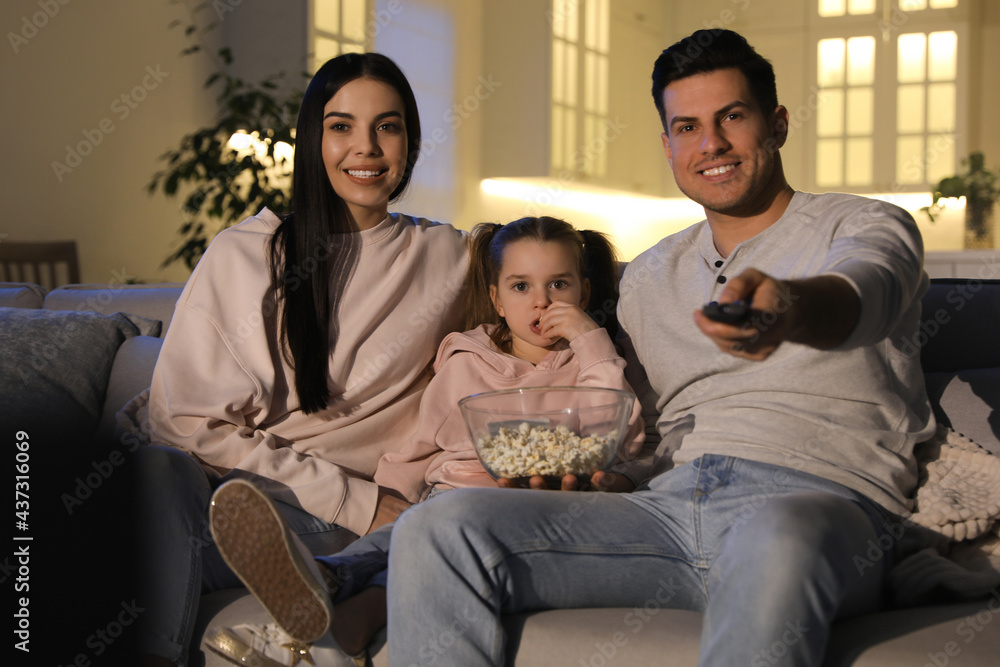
pixel 538 450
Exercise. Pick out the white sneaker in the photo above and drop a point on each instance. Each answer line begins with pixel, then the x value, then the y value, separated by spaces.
pixel 270 560
pixel 268 646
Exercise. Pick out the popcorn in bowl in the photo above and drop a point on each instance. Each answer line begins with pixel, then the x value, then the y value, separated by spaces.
pixel 547 431
pixel 538 450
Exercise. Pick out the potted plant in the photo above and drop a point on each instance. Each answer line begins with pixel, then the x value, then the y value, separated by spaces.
pixel 235 166
pixel 981 188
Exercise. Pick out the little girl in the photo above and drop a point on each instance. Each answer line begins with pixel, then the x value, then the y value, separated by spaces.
pixel 531 283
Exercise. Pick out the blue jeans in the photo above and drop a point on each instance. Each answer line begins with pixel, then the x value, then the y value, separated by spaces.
pixel 178 560
pixel 362 564
pixel 767 553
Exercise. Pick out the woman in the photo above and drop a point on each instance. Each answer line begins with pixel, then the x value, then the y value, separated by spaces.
pixel 300 348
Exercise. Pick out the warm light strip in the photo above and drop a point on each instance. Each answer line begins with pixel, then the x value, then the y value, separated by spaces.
pixel 605 203
pixel 615 204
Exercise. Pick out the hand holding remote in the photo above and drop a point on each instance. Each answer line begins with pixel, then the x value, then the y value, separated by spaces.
pixel 728 313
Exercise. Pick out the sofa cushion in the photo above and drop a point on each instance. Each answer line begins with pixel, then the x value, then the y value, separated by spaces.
pixel 56 365
pixel 131 373
pixel 21 295
pixel 154 301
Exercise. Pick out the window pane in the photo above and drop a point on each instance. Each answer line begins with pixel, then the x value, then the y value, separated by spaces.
pixel 912 5
pixel 596 25
pixel 943 4
pixel 831 63
pixel 605 45
pixel 348 47
pixel 558 72
pixel 571 8
pixel 860 111
pixel 861 61
pixel 941 107
pixel 602 85
pixel 911 57
pixel 324 50
pixel 940 157
pixel 861 7
pixel 910 109
pixel 588 143
pixel 559 17
pixel 592 24
pixel 859 162
pixel 830 114
pixel 327 16
pixel 354 20
pixel 569 141
pixel 557 137
pixel 943 48
pixel 590 81
pixel 910 160
pixel 571 69
pixel 829 162
pixel 831 7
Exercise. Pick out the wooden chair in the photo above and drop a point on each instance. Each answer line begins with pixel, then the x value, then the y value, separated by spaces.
pixel 39 262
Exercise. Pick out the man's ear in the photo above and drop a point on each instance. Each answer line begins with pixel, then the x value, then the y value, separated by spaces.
pixel 779 126
pixel 585 294
pixel 496 301
pixel 666 148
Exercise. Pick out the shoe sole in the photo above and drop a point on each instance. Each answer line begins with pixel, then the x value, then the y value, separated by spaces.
pixel 254 542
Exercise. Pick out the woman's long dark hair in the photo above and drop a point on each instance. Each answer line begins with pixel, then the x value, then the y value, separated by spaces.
pixel 312 252
pixel 598 262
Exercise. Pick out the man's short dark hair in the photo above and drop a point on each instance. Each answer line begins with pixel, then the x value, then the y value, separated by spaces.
pixel 710 50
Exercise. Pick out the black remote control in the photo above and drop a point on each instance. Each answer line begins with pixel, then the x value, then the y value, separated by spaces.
pixel 727 313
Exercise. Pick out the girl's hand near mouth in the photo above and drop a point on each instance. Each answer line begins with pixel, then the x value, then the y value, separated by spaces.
pixel 564 320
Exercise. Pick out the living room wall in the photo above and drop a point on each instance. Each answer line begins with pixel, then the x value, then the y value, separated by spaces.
pixel 95 92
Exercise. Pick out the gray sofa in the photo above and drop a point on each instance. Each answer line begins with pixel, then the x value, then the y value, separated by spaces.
pixel 962 369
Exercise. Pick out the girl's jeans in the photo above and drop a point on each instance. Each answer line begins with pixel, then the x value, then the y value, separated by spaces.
pixel 767 553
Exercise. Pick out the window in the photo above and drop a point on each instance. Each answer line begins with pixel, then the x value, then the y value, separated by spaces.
pixel 845 119
pixel 338 26
pixel 926 102
pixel 888 93
pixel 580 45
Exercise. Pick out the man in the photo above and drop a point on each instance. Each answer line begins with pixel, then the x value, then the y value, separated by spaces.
pixel 787 438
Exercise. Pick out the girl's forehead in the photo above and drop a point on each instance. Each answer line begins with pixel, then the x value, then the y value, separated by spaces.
pixel 538 254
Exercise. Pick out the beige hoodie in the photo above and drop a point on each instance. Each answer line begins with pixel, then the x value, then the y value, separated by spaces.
pixel 441 452
pixel 223 391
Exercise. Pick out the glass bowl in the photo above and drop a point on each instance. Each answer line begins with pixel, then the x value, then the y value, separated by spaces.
pixel 547 431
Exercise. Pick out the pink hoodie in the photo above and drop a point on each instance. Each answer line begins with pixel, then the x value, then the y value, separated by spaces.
pixel 441 451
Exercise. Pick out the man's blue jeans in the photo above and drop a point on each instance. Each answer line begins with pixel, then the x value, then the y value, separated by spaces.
pixel 179 561
pixel 767 552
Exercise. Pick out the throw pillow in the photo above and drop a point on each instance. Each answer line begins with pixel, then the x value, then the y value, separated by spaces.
pixel 55 365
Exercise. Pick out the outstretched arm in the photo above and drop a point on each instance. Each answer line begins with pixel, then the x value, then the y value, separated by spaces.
pixel 819 312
